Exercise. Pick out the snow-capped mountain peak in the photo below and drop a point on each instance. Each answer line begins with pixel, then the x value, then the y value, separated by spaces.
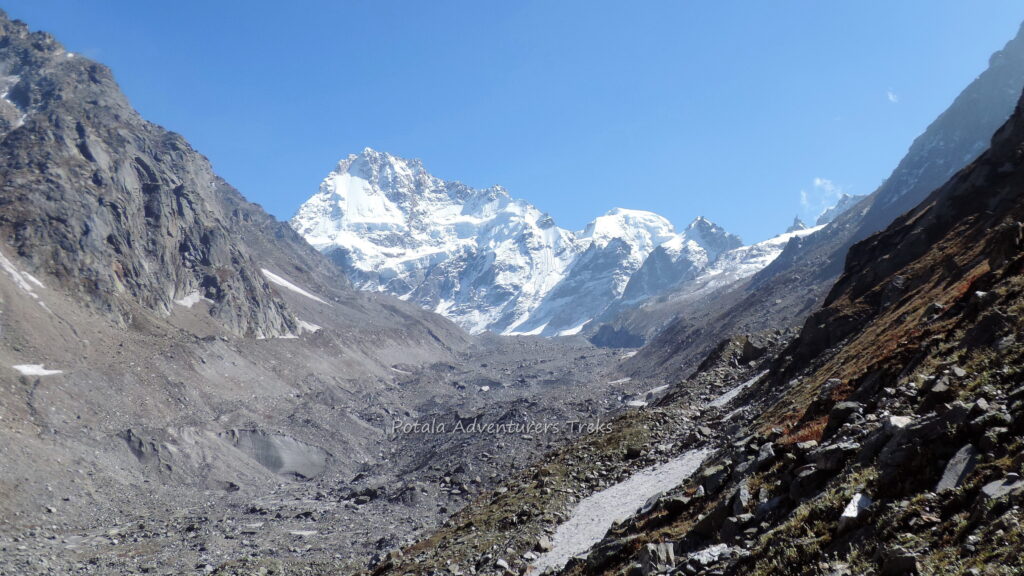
pixel 679 259
pixel 475 255
pixel 845 202
pixel 796 226
pixel 490 261
pixel 711 237
pixel 638 228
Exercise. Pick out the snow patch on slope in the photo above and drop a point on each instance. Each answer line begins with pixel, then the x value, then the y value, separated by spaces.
pixel 731 395
pixel 192 299
pixel 23 280
pixel 282 282
pixel 35 370
pixel 308 327
pixel 595 514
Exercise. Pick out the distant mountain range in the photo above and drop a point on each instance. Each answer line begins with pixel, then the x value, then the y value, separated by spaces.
pixel 493 262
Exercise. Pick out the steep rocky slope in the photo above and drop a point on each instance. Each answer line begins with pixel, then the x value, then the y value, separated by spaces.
pixel 885 438
pixel 168 351
pixel 680 329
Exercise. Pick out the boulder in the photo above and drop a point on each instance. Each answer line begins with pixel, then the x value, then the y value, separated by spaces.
pixel 806 446
pixel 657 558
pixel 899 562
pixel 713 478
pixel 604 551
pixel 832 457
pixel 853 512
pixel 732 526
pixel 939 394
pixel 742 500
pixel 839 415
pixel 765 456
pixel 893 424
pixel 751 351
pixel 808 479
pixel 990 419
pixel 543 544
pixel 992 441
pixel 1010 486
pixel 957 469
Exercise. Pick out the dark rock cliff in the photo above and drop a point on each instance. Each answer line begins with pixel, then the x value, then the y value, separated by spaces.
pixel 120 211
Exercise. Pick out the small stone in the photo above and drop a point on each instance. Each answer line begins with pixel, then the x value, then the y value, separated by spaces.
pixel 893 424
pixel 807 446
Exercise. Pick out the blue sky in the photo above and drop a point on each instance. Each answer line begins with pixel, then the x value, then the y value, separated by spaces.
pixel 731 110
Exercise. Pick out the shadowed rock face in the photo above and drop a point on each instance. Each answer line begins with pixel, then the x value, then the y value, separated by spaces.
pixel 119 210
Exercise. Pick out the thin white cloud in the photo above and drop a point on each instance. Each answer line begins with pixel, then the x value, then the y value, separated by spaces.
pixel 892 96
pixel 823 194
pixel 827 186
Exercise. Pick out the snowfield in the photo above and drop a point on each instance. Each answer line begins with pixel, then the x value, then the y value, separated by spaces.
pixel 731 395
pixel 192 299
pixel 595 514
pixel 274 278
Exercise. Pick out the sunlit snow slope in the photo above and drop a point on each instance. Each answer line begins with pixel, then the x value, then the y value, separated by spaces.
pixel 492 262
